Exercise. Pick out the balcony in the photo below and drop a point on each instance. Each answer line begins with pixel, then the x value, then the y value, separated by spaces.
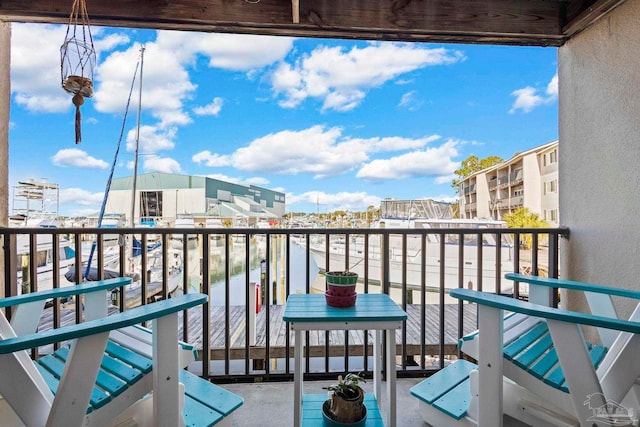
pixel 242 345
pixel 469 189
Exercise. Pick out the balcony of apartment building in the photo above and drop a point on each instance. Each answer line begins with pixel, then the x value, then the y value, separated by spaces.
pixel 249 275
pixel 516 177
pixel 493 182
pixel 469 189
pixel 503 181
pixel 515 202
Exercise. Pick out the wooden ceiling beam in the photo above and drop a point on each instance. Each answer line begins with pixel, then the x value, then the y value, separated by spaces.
pixel 582 13
pixel 519 22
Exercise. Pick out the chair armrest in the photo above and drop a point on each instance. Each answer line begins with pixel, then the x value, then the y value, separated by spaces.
pixel 66 291
pixel 542 311
pixel 128 318
pixel 598 297
pixel 569 284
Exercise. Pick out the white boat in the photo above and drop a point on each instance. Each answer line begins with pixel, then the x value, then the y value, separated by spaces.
pixel 44 260
pixel 187 222
pixel 412 255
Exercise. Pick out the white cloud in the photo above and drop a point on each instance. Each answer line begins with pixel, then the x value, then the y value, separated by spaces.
pixel 236 52
pixel 211 160
pixel 77 158
pixel 80 197
pixel 316 150
pixel 410 101
pixel 529 98
pixel 313 150
pixel 552 87
pixel 340 79
pixel 432 161
pixel 35 65
pixel 152 139
pixel 161 164
pixel 109 42
pixel 212 109
pixel 168 85
pixel 446 179
pixel 329 202
pixel 35 72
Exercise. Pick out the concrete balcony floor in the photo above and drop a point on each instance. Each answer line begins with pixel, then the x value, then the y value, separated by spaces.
pixel 271 404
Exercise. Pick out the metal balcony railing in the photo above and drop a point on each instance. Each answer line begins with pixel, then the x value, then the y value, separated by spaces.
pixel 248 274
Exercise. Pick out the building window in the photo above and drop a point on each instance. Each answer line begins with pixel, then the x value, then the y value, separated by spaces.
pixel 553 156
pixel 544 160
pixel 554 215
pixel 552 186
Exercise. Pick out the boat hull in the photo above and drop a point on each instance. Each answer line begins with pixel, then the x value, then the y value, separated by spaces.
pixel 406 266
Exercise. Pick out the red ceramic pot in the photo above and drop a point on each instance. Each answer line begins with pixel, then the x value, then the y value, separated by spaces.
pixel 341 301
pixel 341 290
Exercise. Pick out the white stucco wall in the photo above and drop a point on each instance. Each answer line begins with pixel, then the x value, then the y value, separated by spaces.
pixel 482 197
pixel 599 84
pixel 532 183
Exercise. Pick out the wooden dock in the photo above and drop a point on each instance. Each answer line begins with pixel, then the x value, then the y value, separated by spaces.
pixel 316 346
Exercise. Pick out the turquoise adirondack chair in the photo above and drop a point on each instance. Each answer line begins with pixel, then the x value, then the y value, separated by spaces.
pixel 95 379
pixel 535 365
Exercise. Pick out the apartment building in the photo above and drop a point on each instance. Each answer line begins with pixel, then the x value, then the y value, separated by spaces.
pixel 528 179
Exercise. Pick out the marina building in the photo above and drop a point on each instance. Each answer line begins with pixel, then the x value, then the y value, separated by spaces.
pixel 528 179
pixel 164 197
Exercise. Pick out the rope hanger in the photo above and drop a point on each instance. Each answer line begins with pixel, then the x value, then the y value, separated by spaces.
pixel 78 60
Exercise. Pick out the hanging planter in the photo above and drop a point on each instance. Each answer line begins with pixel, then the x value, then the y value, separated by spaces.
pixel 78 60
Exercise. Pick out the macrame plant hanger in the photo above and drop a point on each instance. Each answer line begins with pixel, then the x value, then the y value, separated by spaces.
pixel 78 59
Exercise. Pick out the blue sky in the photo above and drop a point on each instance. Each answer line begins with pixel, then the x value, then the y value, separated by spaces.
pixel 334 124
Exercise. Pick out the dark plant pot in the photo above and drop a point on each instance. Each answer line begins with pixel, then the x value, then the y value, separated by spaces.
pixel 330 421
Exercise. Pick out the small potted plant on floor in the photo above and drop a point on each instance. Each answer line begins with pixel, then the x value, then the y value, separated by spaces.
pixel 345 405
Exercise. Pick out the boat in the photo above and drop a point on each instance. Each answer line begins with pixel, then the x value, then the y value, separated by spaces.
pixel 186 221
pixel 44 259
pixel 154 277
pixel 412 215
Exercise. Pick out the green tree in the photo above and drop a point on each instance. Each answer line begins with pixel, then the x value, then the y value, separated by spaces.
pixel 471 165
pixel 524 218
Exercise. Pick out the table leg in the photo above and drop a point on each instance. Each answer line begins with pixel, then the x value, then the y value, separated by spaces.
pixel 377 364
pixel 297 379
pixel 391 377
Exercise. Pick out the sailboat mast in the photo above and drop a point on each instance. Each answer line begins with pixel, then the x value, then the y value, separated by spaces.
pixel 135 162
